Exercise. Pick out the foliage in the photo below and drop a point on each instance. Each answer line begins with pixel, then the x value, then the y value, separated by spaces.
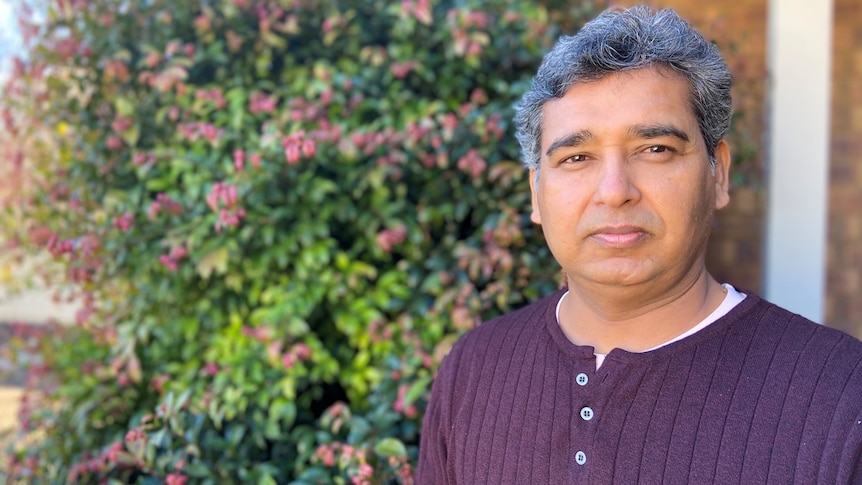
pixel 277 215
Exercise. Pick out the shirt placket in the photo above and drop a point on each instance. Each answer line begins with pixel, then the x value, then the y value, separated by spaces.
pixel 583 422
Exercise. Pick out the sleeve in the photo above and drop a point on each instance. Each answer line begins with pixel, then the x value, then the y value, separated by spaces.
pixel 434 467
pixel 850 467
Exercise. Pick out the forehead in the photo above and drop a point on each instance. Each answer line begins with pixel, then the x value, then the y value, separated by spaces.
pixel 620 101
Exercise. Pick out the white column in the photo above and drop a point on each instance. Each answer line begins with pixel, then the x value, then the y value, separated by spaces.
pixel 800 52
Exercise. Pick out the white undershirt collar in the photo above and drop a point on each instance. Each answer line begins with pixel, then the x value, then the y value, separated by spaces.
pixel 731 299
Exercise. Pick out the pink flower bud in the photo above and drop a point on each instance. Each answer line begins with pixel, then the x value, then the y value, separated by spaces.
pixel 202 22
pixel 302 351
pixel 176 479
pixel 123 379
pixel 121 124
pixel 450 121
pixel 135 434
pixel 124 222
pixel 472 163
pixel 169 263
pixel 411 411
pixel 158 382
pixel 210 132
pixel 388 238
pixel 292 154
pixel 327 25
pixel 211 369
pixel 106 20
pixel 401 69
pixel 178 252
pixel 153 210
pixel 114 451
pixel 152 60
pixel 309 148
pixel 172 47
pixel 326 96
pixel 238 160
pixel 114 143
pixel 213 196
pixel 229 196
pixel 478 96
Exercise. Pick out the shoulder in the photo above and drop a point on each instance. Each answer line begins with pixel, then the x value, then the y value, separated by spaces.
pixel 822 369
pixel 506 330
pixel 798 333
pixel 499 338
pixel 476 356
pixel 813 360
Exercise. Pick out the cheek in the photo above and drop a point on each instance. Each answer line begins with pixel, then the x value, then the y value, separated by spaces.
pixel 562 204
pixel 684 190
pixel 693 207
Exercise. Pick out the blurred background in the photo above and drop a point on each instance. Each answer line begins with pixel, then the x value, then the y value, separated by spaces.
pixel 738 252
pixel 792 233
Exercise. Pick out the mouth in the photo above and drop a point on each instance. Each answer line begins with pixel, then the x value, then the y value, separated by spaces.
pixel 619 237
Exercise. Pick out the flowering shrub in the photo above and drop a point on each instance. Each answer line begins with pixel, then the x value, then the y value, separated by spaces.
pixel 276 215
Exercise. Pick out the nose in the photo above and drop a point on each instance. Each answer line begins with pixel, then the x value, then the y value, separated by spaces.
pixel 615 185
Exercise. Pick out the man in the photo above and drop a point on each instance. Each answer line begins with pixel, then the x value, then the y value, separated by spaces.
pixel 645 369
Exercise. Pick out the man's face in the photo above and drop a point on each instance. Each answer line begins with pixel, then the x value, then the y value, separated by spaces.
pixel 625 193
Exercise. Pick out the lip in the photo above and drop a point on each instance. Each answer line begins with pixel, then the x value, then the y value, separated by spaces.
pixel 619 236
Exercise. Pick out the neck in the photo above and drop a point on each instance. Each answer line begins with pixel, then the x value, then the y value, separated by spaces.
pixel 636 321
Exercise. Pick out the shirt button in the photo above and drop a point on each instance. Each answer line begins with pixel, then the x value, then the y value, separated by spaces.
pixel 587 413
pixel 582 379
pixel 580 458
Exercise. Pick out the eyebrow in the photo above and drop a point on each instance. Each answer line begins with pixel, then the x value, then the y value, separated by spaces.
pixel 657 131
pixel 639 131
pixel 570 140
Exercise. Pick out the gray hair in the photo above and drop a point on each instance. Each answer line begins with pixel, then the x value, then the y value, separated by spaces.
pixel 620 40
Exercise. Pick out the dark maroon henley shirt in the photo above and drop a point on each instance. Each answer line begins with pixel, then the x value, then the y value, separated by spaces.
pixel 759 396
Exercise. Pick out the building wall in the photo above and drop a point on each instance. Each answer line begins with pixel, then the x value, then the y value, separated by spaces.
pixel 844 257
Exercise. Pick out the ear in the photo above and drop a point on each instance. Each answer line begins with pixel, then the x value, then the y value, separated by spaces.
pixel 722 174
pixel 535 215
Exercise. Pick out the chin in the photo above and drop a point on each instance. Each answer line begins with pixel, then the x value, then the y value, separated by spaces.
pixel 623 277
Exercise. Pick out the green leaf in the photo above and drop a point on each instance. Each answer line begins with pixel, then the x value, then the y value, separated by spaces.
pixel 273 40
pixel 213 262
pixel 131 135
pixel 266 480
pixel 416 390
pixel 390 447
pixel 196 469
pixel 124 106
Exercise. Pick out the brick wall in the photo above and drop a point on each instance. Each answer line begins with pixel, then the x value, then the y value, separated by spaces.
pixel 844 256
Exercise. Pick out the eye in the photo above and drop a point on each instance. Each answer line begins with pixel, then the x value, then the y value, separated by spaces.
pixel 574 159
pixel 659 153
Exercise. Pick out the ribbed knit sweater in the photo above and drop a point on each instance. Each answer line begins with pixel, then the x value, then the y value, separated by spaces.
pixel 759 396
